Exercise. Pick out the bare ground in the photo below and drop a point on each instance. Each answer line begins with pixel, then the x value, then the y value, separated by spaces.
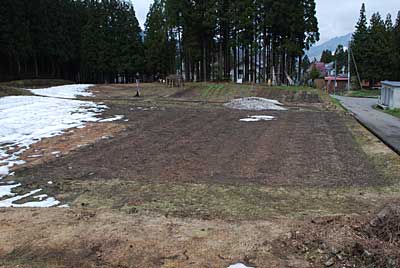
pixel 176 145
pixel 107 239
pixel 183 183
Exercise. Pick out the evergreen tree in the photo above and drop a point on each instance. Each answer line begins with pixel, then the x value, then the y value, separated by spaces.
pixel 359 42
pixel 389 52
pixel 83 40
pixel 396 49
pixel 159 50
pixel 100 40
pixel 327 56
pixel 341 59
pixel 378 50
pixel 242 38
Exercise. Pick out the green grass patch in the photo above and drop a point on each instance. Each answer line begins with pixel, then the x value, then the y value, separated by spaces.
pixel 364 93
pixel 394 112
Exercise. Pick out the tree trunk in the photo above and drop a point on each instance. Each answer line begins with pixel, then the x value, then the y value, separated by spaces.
pixel 36 66
pixel 204 61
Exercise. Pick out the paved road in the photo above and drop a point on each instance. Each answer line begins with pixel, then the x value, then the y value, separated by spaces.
pixel 385 126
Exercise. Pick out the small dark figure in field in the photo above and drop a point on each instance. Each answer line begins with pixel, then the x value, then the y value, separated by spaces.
pixel 137 86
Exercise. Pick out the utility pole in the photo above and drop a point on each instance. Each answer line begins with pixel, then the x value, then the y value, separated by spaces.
pixel 180 43
pixel 334 88
pixel 348 67
pixel 358 74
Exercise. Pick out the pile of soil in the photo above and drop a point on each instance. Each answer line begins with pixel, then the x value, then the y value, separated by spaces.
pixel 385 225
pixel 345 241
pixel 255 104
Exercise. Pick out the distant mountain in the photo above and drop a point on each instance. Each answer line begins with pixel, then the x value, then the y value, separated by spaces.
pixel 316 52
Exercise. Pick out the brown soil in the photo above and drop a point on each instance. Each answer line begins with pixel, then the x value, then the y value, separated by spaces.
pixel 83 238
pixel 50 149
pixel 299 148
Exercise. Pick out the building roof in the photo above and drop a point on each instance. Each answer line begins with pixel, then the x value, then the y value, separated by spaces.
pixel 320 66
pixel 332 78
pixel 391 83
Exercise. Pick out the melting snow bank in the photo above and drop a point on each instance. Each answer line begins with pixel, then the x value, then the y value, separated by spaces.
pixel 43 200
pixel 239 265
pixel 255 104
pixel 257 118
pixel 25 120
pixel 67 91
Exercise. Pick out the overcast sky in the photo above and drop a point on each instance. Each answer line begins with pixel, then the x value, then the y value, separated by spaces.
pixel 335 17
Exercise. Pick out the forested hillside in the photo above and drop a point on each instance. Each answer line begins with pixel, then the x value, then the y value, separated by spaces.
pixel 227 39
pixel 100 41
pixel 84 40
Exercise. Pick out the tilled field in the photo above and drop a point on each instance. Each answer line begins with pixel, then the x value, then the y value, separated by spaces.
pixel 188 145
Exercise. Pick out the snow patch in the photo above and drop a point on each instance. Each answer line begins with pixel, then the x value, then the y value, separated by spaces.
pixel 3 169
pixel 112 119
pixel 5 190
pixel 44 201
pixel 41 196
pixel 67 91
pixel 255 104
pixel 26 120
pixel 257 118
pixel 35 156
pixel 239 265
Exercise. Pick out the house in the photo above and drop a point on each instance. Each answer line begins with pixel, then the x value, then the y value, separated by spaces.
pixel 336 84
pixel 390 95
pixel 330 69
pixel 320 66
